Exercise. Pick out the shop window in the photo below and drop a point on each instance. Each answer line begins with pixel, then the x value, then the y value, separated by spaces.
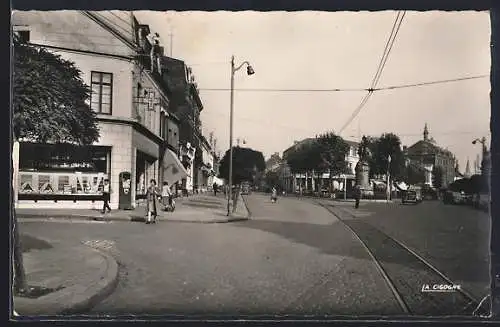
pixel 24 36
pixel 63 181
pixel 102 92
pixel 44 184
pixel 26 184
pixel 63 158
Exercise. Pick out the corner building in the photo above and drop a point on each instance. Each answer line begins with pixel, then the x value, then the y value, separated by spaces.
pixel 113 52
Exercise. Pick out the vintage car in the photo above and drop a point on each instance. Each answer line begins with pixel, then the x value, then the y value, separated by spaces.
pixel 412 195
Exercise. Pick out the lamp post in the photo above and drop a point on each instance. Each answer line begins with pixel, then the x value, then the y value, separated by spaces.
pixel 234 69
pixel 388 178
pixel 483 143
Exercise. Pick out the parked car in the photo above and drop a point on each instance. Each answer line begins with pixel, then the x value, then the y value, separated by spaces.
pixel 481 201
pixel 412 195
pixel 459 192
pixel 429 193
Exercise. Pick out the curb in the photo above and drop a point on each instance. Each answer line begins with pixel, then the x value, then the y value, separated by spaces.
pixel 73 304
pixel 137 219
pixel 109 284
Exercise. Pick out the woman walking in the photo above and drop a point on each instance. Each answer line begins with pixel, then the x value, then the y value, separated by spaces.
pixel 152 195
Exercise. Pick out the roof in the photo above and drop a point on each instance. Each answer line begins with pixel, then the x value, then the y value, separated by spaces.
pixel 298 144
pixel 426 147
pixel 352 143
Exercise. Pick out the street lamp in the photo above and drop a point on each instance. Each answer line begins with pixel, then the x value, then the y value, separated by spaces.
pixel 388 178
pixel 483 142
pixel 234 69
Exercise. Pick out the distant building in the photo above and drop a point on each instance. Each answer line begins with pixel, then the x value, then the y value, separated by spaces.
pixel 307 182
pixel 274 162
pixel 425 153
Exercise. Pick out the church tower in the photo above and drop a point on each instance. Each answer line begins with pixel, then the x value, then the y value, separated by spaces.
pixel 467 169
pixel 426 133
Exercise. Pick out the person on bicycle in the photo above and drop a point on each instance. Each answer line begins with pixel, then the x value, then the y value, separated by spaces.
pixel 166 196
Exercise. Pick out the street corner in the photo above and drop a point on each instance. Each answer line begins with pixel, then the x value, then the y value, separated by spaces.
pixel 75 292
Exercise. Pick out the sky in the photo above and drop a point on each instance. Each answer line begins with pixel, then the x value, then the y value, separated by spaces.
pixel 327 50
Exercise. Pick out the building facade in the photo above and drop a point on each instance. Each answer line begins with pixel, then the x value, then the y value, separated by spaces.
pixel 187 106
pixel 120 62
pixel 311 180
pixel 425 153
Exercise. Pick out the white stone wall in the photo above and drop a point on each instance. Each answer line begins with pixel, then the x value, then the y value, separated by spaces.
pixel 119 137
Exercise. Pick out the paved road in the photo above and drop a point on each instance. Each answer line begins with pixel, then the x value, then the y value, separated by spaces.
pixel 455 239
pixel 292 258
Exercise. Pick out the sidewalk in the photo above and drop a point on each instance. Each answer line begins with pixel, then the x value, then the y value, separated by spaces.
pixel 199 208
pixel 84 276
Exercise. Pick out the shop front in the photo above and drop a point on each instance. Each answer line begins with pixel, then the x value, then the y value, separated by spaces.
pixel 62 172
pixel 146 170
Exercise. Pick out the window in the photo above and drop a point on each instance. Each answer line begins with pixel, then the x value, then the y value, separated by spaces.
pixel 102 92
pixel 24 36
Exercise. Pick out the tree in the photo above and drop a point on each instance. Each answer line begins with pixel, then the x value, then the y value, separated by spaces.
pixel 49 105
pixel 332 151
pixel 246 163
pixel 437 176
pixel 413 174
pixel 272 179
pixel 381 148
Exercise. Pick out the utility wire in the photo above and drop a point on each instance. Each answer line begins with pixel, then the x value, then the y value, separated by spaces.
pixel 387 50
pixel 312 90
pixel 384 59
pixel 380 65
pixel 285 90
pixel 431 83
pixel 288 127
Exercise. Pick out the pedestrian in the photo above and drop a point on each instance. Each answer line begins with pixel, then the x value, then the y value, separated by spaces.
pixel 215 188
pixel 152 195
pixel 166 196
pixel 106 195
pixel 274 195
pixel 357 195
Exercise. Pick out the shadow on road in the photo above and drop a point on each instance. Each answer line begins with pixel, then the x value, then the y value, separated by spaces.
pixel 336 239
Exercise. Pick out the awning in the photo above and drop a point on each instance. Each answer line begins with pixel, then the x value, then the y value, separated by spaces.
pixel 173 170
pixel 402 186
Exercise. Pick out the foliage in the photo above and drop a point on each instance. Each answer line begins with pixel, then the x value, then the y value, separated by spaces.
pixel 304 158
pixel 246 164
pixel 272 179
pixel 378 152
pixel 326 152
pixel 49 99
pixel 332 151
pixel 437 176
pixel 413 175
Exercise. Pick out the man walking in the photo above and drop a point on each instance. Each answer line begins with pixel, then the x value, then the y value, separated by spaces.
pixel 106 196
pixel 215 188
pixel 357 195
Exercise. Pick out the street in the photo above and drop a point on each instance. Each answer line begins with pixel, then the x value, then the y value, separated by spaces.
pixel 292 257
pixel 455 239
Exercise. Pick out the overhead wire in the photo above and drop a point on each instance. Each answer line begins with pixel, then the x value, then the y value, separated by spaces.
pixel 383 61
pixel 392 87
pixel 289 127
